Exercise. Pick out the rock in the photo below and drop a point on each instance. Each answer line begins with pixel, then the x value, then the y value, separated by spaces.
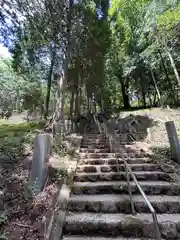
pixel 1 195
pixel 79 170
pixel 162 207
pixel 14 187
pixel 5 158
pixel 106 177
pixel 17 178
pixel 132 224
pixel 26 152
pixel 109 207
pixel 92 178
pixel 167 168
pixel 94 207
pixel 17 232
pixel 27 163
pixel 106 169
pixel 169 230
pixel 149 229
pixel 1 200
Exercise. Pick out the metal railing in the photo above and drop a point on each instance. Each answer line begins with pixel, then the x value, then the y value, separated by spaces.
pixel 111 141
pixel 128 169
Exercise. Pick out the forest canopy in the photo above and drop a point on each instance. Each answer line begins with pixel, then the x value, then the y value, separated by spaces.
pixel 75 57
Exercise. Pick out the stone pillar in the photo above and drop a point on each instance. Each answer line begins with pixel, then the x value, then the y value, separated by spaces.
pixel 57 129
pixel 149 135
pixel 41 155
pixel 173 140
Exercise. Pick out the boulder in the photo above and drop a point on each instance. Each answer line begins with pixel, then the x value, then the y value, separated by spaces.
pixel 169 230
pixel 167 168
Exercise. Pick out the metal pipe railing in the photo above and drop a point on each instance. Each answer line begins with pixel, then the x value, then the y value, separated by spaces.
pixel 111 141
pixel 129 190
pixel 153 212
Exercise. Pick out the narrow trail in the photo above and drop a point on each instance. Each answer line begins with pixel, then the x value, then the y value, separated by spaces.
pixel 99 207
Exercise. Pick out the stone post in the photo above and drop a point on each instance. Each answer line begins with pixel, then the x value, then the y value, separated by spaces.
pixel 58 133
pixel 57 128
pixel 173 140
pixel 41 155
pixel 149 135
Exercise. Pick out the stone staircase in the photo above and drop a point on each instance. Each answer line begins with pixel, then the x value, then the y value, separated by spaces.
pixel 99 207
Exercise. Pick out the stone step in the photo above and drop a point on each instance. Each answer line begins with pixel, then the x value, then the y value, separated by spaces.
pixel 93 138
pixel 113 168
pixel 101 161
pixel 96 155
pixel 105 187
pixel 109 203
pixel 141 225
pixel 122 142
pixel 94 135
pixel 123 149
pixel 112 155
pixel 98 146
pixel 140 175
pixel 95 150
pixel 93 142
pixel 101 238
pixel 135 154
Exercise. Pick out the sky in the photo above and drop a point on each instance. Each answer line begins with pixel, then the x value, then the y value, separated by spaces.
pixel 4 51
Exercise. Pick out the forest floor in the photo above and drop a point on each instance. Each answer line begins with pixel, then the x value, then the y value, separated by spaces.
pixel 160 116
pixel 159 143
pixel 22 215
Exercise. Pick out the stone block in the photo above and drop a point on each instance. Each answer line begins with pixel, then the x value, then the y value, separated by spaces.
pixel 41 155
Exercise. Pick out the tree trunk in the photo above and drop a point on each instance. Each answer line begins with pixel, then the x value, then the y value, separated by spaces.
pixel 89 105
pixel 139 102
pixel 142 90
pixel 71 112
pixel 172 63
pixel 59 114
pixel 156 88
pixel 102 104
pixel 167 76
pixel 155 95
pixel 77 103
pixel 80 97
pixel 76 110
pixel 49 83
pixel 150 100
pixel 71 106
pixel 125 96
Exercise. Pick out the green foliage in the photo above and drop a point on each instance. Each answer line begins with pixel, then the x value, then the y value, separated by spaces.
pixel 169 19
pixel 3 220
pixel 136 25
pixel 6 129
pixel 3 236
pixel 112 50
pixel 60 173
pixel 11 85
pixel 30 190
pixel 15 137
pixel 17 89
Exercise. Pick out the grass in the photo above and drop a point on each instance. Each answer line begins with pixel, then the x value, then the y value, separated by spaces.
pixel 15 138
pixel 19 127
